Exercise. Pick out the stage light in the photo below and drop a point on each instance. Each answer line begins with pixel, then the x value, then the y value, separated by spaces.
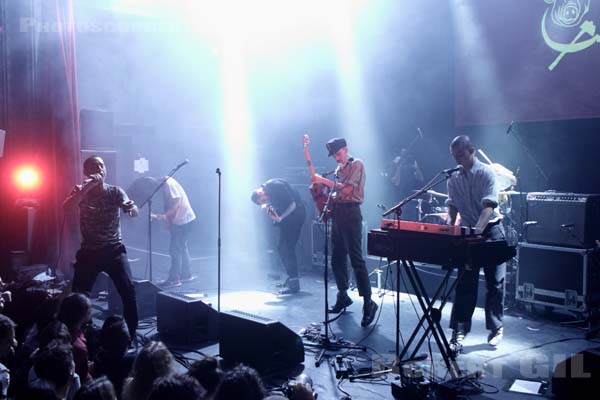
pixel 27 178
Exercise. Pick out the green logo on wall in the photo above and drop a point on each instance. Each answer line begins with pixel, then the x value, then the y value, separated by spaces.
pixel 569 14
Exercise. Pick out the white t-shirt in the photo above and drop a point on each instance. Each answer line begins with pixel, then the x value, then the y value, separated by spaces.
pixel 184 213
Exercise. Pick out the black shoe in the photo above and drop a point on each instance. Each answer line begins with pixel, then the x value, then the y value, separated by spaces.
pixel 495 337
pixel 343 301
pixel 456 343
pixel 369 311
pixel 291 286
pixel 283 285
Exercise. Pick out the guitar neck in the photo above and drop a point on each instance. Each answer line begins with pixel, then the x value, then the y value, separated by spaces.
pixel 311 168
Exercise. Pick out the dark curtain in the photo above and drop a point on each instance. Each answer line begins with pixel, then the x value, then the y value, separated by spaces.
pixel 42 121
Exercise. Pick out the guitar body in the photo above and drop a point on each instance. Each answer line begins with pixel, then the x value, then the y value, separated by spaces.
pixel 319 193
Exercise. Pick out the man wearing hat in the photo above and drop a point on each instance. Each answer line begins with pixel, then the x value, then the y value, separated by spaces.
pixel 346 229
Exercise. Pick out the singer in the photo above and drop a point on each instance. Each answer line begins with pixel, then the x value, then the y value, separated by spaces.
pixel 473 192
pixel 346 228
pixel 102 248
pixel 178 217
pixel 284 206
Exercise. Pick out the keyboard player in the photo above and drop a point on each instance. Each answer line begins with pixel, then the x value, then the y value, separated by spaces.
pixel 473 193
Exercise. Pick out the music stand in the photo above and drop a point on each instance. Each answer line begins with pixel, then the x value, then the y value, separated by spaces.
pixel 325 342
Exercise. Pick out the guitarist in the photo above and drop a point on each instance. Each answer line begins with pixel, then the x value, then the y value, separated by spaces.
pixel 283 205
pixel 346 228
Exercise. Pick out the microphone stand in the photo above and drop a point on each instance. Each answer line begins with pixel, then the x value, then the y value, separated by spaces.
pixel 149 202
pixel 397 209
pixel 218 171
pixel 540 171
pixel 325 342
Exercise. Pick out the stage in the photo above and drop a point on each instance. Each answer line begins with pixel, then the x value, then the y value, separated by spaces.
pixel 535 339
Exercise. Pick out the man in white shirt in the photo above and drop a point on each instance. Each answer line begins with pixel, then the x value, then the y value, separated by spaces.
pixel 178 216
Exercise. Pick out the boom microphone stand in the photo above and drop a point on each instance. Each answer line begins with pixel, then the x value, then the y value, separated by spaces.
pixel 326 343
pixel 149 202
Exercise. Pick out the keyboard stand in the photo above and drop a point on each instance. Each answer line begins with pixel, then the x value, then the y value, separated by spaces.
pixel 431 316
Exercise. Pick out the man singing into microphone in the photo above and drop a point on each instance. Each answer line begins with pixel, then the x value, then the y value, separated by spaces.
pixel 346 228
pixel 473 193
pixel 102 248
pixel 283 205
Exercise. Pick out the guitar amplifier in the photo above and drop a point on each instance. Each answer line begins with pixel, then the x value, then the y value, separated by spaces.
pixel 564 219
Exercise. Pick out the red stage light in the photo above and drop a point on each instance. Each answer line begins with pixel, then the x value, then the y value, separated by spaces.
pixel 27 178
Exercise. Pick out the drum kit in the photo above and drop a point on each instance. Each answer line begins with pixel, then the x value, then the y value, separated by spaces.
pixel 431 209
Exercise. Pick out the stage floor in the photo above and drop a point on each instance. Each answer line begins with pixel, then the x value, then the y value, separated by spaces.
pixel 534 341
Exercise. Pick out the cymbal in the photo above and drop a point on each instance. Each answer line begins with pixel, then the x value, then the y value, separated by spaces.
pixel 437 194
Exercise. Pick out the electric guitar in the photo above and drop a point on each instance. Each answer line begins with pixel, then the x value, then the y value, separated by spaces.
pixel 318 191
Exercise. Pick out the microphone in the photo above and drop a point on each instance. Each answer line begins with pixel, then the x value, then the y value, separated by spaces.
pixel 571 225
pixel 88 182
pixel 510 127
pixel 529 223
pixel 181 164
pixel 452 170
pixel 420 133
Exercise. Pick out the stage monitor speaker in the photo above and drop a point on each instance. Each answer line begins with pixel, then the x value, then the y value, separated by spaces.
pixel 577 377
pixel 184 319
pixel 97 129
pixel 564 219
pixel 145 293
pixel 262 343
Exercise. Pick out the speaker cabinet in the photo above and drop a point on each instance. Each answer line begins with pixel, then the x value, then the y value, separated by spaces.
pixel 577 377
pixel 262 343
pixel 145 293
pixel 564 219
pixel 97 129
pixel 183 319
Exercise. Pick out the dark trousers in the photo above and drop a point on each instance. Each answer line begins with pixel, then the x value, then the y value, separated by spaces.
pixel 465 298
pixel 111 259
pixel 289 233
pixel 178 250
pixel 346 240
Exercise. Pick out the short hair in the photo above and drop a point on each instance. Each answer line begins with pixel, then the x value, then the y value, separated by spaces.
pixel 98 389
pixel 6 326
pixel 177 387
pixel 54 363
pixel 114 335
pixel 462 141
pixel 242 383
pixel 89 163
pixel 207 372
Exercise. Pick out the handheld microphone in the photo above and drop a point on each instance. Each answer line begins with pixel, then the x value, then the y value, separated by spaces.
pixel 420 133
pixel 181 164
pixel 510 127
pixel 571 225
pixel 452 170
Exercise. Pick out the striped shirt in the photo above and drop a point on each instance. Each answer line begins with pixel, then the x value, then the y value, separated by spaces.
pixel 471 191
pixel 353 174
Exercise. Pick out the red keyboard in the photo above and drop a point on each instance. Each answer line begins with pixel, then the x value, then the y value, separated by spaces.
pixel 411 226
